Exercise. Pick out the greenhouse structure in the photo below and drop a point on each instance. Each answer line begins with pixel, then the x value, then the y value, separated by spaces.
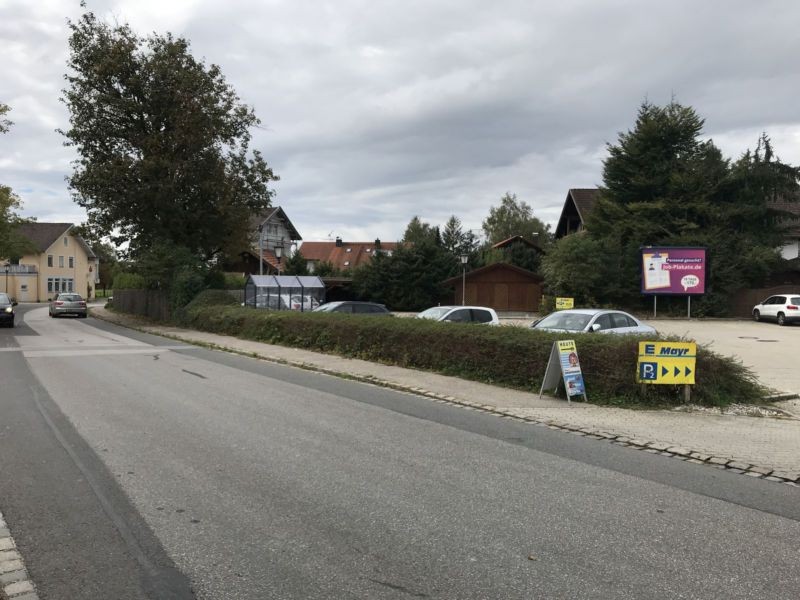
pixel 284 292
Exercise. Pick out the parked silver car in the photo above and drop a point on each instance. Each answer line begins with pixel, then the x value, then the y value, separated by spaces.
pixel 588 320
pixel 68 304
pixel 782 308
pixel 461 314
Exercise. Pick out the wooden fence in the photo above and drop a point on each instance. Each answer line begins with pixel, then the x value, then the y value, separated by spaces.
pixel 147 303
pixel 744 300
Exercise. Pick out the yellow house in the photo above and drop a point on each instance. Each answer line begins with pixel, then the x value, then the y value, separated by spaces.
pixel 63 262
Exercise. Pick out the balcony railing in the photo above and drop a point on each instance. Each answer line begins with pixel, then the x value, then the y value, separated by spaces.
pixel 18 269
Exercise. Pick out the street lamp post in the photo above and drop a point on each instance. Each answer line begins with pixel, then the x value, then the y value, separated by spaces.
pixel 279 253
pixel 261 249
pixel 464 259
pixel 7 268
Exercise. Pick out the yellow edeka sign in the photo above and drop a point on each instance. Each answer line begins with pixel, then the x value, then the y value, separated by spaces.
pixel 562 303
pixel 666 362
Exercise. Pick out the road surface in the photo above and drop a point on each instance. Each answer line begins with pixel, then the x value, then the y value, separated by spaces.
pixel 132 466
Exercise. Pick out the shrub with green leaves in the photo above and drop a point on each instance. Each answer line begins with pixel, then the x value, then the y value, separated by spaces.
pixel 507 356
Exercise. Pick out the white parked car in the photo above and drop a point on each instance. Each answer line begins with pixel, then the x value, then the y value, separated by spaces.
pixel 781 308
pixel 588 320
pixel 461 314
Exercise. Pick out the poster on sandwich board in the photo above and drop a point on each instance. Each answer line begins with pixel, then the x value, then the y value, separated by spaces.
pixel 564 366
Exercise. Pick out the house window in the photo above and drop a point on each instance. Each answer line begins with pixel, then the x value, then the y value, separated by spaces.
pixel 49 260
pixel 367 250
pixel 66 242
pixel 71 262
pixel 49 284
pixel 349 250
pixel 61 262
pixel 347 262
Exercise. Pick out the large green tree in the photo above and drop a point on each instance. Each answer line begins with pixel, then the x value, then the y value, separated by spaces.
pixel 12 244
pixel 456 240
pixel 163 143
pixel 514 217
pixel 665 185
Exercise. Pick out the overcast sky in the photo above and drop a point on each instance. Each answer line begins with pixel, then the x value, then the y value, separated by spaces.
pixel 375 111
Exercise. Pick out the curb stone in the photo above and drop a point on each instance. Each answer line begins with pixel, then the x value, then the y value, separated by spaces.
pixel 15 584
pixel 684 454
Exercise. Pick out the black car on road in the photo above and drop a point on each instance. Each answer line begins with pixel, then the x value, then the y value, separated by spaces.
pixel 7 304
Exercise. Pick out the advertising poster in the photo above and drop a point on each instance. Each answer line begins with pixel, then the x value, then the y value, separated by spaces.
pixel 571 368
pixel 565 303
pixel 674 270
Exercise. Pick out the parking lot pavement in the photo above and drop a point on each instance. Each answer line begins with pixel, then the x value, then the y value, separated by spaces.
pixel 771 351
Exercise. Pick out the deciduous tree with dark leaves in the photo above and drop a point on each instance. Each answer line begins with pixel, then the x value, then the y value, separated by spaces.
pixel 163 144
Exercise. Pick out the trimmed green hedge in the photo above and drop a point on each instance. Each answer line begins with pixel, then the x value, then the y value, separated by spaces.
pixel 508 356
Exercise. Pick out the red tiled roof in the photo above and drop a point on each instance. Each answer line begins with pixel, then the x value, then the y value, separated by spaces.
pixel 353 253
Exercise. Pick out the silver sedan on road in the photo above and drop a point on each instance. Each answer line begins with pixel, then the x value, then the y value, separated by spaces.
pixel 68 304
pixel 588 320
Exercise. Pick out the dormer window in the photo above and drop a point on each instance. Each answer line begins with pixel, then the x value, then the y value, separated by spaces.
pixel 366 250
pixel 347 262
pixel 349 250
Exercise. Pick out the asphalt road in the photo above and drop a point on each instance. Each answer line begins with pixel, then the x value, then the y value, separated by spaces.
pixel 134 467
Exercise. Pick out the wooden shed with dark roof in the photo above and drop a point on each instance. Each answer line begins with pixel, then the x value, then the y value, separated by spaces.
pixel 577 207
pixel 501 286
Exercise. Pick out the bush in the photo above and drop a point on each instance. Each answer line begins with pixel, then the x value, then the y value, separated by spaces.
pixel 128 281
pixel 507 356
pixel 212 298
pixel 234 282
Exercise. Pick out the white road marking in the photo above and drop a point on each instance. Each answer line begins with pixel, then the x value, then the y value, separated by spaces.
pixel 28 353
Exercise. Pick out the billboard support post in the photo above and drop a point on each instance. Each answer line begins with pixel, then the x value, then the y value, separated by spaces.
pixel 688 307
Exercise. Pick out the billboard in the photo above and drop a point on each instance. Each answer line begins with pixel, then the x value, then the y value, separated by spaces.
pixel 673 270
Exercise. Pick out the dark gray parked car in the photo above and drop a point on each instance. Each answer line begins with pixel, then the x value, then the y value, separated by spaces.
pixel 7 305
pixel 352 307
pixel 68 304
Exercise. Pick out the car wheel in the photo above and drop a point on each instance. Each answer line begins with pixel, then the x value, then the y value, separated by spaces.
pixel 756 315
pixel 781 319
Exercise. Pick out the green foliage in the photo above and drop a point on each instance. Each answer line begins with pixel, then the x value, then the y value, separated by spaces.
pixel 296 265
pixel 666 186
pixel 4 122
pixel 457 241
pixel 507 356
pixel 577 267
pixel 163 143
pixel 12 244
pixel 212 298
pixel 234 282
pixel 216 280
pixel 514 217
pixel 129 281
pixel 325 268
pixel 410 279
pixel 420 232
pixel 185 285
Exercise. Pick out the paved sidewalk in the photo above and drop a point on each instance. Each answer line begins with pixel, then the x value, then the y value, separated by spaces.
pixel 768 447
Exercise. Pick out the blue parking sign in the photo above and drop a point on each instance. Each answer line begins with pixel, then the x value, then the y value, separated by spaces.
pixel 648 371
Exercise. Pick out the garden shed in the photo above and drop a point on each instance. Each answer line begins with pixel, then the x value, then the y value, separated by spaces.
pixel 501 286
pixel 284 292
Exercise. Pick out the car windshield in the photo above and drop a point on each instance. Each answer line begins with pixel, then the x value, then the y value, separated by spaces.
pixel 327 307
pixel 568 321
pixel 437 312
pixel 4 299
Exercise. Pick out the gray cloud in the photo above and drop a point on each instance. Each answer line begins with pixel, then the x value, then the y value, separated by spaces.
pixel 376 111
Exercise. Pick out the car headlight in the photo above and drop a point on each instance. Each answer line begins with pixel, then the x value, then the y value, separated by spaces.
pixel 9 309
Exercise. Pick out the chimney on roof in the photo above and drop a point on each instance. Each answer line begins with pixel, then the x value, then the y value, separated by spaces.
pixel 338 242
pixel 377 243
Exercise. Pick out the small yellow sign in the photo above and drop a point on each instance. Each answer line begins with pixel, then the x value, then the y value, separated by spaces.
pixel 562 303
pixel 672 363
